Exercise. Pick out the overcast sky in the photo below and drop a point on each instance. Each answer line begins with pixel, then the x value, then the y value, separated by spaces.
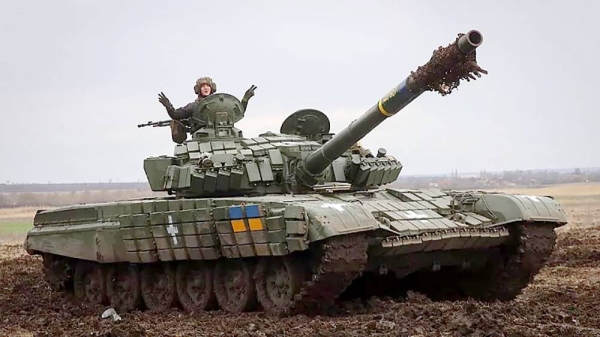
pixel 76 77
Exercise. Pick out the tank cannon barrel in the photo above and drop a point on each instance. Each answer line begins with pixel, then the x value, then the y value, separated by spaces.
pixel 441 73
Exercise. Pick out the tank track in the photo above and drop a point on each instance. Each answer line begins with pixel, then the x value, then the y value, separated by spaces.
pixel 58 272
pixel 511 269
pixel 341 260
pixel 333 265
pixel 336 262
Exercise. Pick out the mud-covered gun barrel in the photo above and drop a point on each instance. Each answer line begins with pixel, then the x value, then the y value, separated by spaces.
pixel 442 73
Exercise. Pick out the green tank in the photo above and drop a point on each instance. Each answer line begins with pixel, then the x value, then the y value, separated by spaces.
pixel 291 221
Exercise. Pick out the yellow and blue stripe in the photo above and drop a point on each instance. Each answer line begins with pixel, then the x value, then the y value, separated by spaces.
pixel 252 215
pixel 396 99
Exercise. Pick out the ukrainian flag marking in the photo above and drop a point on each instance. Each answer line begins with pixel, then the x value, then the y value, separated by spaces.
pixel 255 224
pixel 252 211
pixel 236 212
pixel 238 225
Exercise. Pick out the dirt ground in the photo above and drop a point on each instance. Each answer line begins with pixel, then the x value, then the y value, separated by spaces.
pixel 562 301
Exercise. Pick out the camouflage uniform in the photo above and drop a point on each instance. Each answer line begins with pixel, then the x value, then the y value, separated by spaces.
pixel 178 133
pixel 188 110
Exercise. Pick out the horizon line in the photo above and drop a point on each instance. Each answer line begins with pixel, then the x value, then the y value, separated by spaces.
pixel 432 175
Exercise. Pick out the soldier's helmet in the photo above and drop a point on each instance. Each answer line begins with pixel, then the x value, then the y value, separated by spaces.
pixel 205 80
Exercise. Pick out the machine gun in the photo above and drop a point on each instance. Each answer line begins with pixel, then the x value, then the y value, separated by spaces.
pixel 179 128
pixel 155 124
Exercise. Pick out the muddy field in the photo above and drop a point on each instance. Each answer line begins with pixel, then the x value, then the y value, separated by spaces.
pixel 562 301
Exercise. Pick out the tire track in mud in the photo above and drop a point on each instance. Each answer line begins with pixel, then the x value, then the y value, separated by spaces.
pixel 561 301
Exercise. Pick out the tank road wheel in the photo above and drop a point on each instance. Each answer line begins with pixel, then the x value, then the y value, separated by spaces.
pixel 195 290
pixel 89 283
pixel 511 269
pixel 158 286
pixel 234 285
pixel 123 288
pixel 277 281
pixel 58 272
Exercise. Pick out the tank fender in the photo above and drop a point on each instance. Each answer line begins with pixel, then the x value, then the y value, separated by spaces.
pixel 92 242
pixel 327 219
pixel 516 207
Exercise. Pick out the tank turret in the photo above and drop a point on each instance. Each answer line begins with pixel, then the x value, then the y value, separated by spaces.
pixel 303 156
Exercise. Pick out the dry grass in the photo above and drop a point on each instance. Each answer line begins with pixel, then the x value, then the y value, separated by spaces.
pixel 18 213
pixel 37 199
pixel 12 239
pixel 564 190
pixel 14 222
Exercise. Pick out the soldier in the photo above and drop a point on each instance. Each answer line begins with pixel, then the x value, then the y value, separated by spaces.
pixel 204 87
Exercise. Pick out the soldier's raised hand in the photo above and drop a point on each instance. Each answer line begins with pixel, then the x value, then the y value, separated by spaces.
pixel 165 101
pixel 250 92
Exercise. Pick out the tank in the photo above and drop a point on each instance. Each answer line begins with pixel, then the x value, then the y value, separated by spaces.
pixel 292 221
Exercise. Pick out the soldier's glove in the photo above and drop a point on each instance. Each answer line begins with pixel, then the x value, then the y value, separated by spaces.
pixel 249 93
pixel 166 103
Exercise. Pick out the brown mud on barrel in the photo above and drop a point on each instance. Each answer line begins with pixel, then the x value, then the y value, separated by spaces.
pixel 445 69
